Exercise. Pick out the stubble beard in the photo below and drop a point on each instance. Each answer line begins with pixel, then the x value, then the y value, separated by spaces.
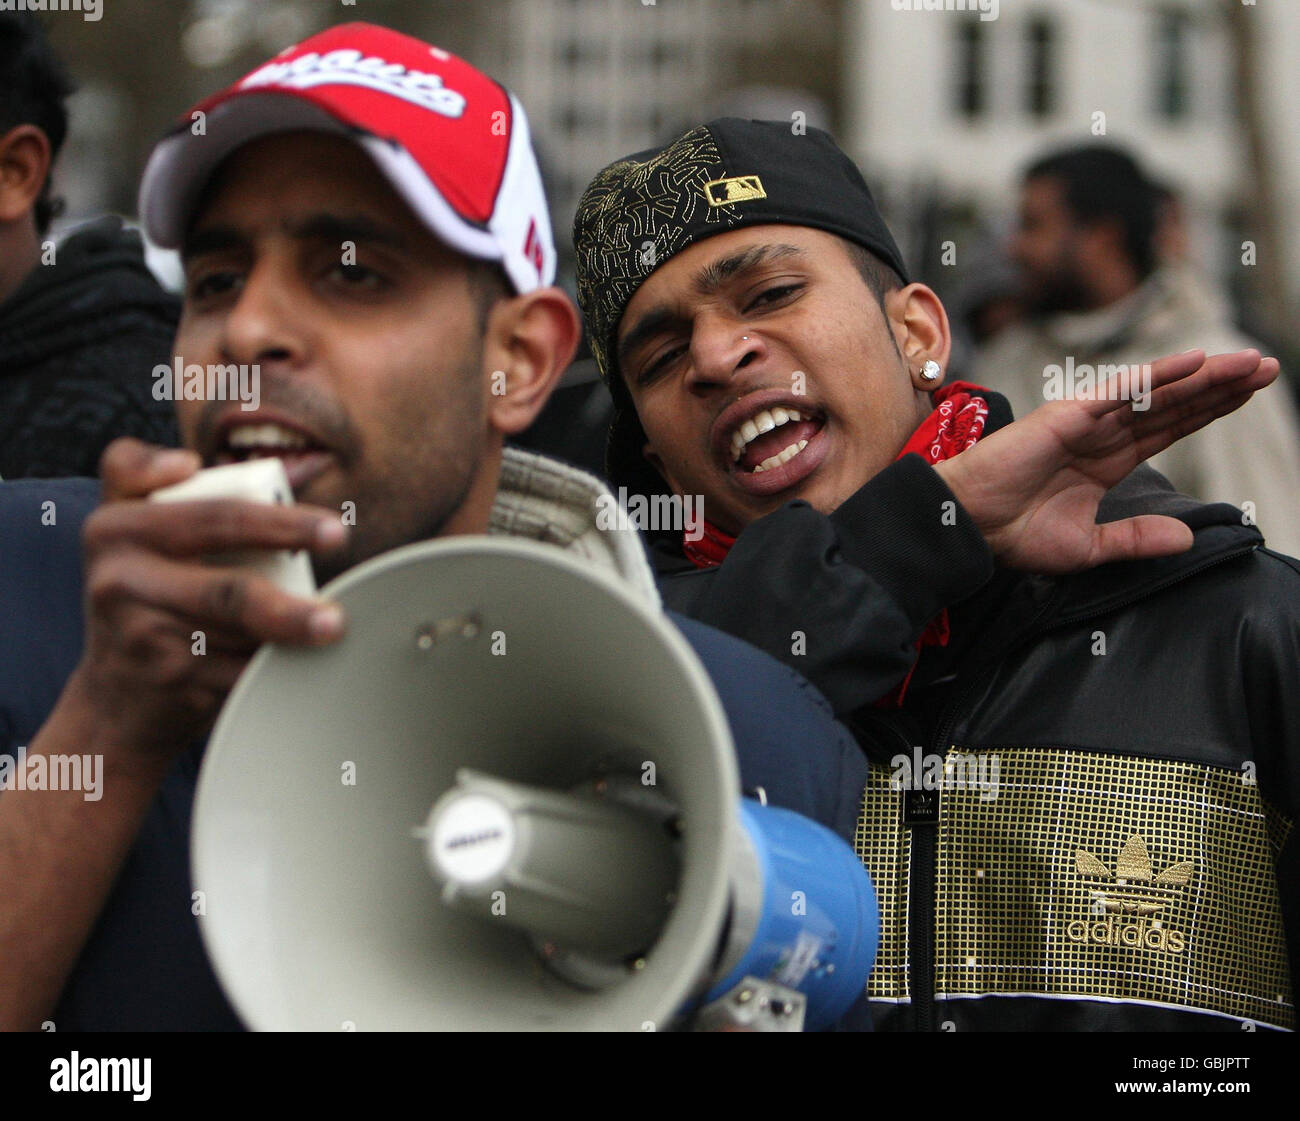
pixel 416 505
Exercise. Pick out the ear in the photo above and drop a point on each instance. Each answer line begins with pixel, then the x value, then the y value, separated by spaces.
pixel 920 325
pixel 24 165
pixel 529 342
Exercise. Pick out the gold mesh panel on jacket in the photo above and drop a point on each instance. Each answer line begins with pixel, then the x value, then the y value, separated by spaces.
pixel 1083 874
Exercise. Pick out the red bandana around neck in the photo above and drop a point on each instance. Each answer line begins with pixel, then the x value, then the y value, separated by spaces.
pixel 956 423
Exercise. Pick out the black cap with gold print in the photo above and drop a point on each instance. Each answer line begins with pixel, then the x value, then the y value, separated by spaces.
pixel 641 210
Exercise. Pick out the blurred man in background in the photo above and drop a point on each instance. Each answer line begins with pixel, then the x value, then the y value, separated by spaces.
pixel 82 324
pixel 1088 247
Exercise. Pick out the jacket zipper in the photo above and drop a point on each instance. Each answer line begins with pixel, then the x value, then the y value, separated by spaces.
pixel 921 925
pixel 924 870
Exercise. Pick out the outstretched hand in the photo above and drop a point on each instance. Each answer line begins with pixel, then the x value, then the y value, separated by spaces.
pixel 1033 487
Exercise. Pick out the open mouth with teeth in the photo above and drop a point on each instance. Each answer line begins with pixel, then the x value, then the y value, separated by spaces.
pixel 771 438
pixel 302 457
pixel 260 441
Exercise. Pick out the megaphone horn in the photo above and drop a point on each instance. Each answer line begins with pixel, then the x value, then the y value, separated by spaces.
pixel 507 799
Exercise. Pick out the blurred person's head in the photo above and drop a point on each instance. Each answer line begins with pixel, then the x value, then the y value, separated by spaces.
pixel 1086 230
pixel 989 299
pixel 750 310
pixel 1173 239
pixel 363 220
pixel 33 124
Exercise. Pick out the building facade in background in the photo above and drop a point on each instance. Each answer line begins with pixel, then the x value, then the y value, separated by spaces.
pixel 945 108
pixel 942 108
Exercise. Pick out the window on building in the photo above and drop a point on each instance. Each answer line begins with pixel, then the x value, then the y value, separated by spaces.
pixel 654 54
pixel 1173 64
pixel 577 118
pixel 971 92
pixel 1041 64
pixel 575 53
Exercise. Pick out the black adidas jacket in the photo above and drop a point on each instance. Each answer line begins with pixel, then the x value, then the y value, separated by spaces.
pixel 1080 816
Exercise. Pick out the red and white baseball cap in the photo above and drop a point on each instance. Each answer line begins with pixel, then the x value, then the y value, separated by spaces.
pixel 453 142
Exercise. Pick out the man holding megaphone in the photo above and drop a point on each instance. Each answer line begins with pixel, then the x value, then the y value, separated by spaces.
pixel 363 227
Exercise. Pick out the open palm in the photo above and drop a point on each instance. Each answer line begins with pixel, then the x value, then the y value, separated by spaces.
pixel 1033 487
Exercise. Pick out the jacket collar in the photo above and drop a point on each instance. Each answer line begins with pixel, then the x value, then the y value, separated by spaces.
pixel 544 500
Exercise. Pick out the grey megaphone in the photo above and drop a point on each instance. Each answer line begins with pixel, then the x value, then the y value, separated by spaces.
pixel 506 657
pixel 507 799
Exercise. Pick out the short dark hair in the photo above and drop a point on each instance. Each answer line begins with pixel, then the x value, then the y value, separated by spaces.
pixel 488 283
pixel 879 277
pixel 1103 182
pixel 33 88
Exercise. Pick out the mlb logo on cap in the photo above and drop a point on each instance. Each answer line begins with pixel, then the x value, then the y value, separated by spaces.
pixel 454 143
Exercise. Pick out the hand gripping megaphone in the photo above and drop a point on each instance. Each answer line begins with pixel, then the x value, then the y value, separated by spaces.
pixel 508 800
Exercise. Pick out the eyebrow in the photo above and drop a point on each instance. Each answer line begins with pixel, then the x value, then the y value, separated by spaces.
pixel 322 227
pixel 715 274
pixel 706 282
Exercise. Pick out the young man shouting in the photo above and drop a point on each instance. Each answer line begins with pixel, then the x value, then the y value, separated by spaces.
pixel 1077 688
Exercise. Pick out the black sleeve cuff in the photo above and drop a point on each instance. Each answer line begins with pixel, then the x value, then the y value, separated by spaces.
pixel 909 531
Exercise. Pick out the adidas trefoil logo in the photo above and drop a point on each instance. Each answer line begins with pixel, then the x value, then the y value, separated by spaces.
pixel 1132 868
pixel 1138 891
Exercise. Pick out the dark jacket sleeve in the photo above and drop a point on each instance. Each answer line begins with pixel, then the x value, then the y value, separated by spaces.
pixel 40 597
pixel 787 741
pixel 843 597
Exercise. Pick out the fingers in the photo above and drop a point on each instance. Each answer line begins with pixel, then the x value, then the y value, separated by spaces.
pixel 158 650
pixel 1151 439
pixel 151 587
pixel 1178 378
pixel 1220 385
pixel 130 468
pixel 1148 535
pixel 1173 367
pixel 1243 369
pixel 215 525
pixel 1119 392
pixel 243 603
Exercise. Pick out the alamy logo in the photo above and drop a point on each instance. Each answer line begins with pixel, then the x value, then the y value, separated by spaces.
pixel 1137 892
pixel 352 68
pixel 677 513
pixel 1084 382
pixel 214 382
pixel 958 771
pixel 38 771
pixel 988 9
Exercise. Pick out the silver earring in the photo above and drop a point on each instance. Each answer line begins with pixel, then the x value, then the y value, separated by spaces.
pixel 930 370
